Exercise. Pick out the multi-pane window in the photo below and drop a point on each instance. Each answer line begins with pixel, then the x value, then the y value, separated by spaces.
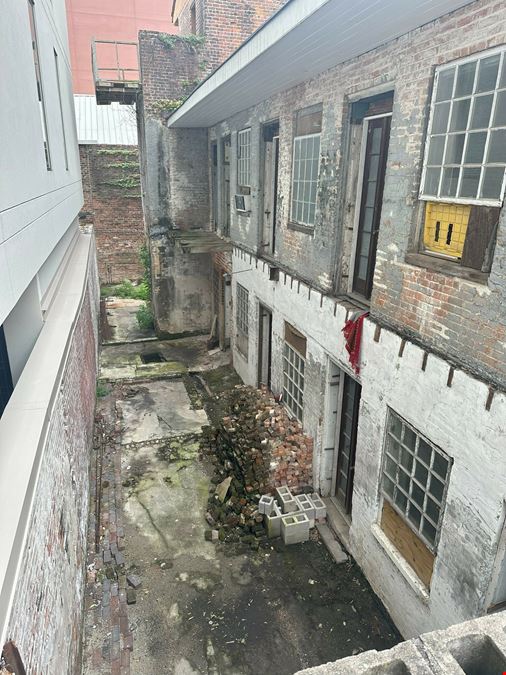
pixel 294 362
pixel 465 155
pixel 306 165
pixel 415 478
pixel 38 77
pixel 244 158
pixel 242 301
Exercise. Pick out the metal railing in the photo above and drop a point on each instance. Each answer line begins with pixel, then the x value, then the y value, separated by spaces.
pixel 120 73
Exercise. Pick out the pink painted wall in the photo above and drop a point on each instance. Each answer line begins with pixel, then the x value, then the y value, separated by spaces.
pixel 110 20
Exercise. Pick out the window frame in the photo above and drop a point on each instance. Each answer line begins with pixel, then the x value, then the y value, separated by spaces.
pixel 476 57
pixel 298 137
pixel 244 163
pixel 413 480
pixel 39 83
pixel 296 410
pixel 242 310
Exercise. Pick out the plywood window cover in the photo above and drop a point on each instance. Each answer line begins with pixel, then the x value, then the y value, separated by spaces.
pixel 293 381
pixel 244 158
pixel 411 476
pixel 499 91
pixel 445 222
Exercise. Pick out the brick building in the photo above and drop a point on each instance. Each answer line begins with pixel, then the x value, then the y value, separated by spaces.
pixel 356 169
pixel 48 347
pixel 110 168
pixel 190 291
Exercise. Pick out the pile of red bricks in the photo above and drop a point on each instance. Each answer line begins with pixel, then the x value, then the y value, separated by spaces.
pixel 265 447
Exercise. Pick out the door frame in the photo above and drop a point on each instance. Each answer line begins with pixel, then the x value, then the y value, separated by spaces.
pixel 358 199
pixel 260 354
pixel 271 247
pixel 340 398
pixel 225 215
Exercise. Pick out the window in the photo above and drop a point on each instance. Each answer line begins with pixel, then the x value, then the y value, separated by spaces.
pixel 294 361
pixel 38 77
pixel 193 20
pixel 465 154
pixel 415 479
pixel 243 158
pixel 242 299
pixel 306 165
pixel 57 70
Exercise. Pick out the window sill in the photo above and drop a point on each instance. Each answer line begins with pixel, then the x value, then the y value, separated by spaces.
pixel 404 568
pixel 298 227
pixel 444 266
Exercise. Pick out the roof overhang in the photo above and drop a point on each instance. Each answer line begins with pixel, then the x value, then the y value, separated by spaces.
pixel 304 38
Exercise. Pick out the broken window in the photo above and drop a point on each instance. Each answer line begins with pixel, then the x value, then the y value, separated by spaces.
pixel 244 158
pixel 242 300
pixel 465 154
pixel 465 160
pixel 38 77
pixel 414 482
pixel 306 165
pixel 294 361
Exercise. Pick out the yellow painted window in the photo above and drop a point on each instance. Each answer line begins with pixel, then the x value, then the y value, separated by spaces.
pixel 445 228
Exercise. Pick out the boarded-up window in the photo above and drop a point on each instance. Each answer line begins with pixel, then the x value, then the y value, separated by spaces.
pixel 295 339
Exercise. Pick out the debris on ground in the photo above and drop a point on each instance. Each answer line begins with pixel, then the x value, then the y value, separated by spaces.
pixel 255 448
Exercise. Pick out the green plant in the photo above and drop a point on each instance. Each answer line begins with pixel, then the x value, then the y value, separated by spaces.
pixel 127 290
pixel 123 165
pixel 102 390
pixel 124 153
pixel 168 104
pixel 191 42
pixel 145 316
pixel 145 259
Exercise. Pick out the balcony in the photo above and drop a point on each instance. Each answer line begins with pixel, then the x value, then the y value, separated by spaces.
pixel 115 71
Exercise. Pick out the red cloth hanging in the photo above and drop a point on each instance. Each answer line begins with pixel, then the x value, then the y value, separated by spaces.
pixel 353 333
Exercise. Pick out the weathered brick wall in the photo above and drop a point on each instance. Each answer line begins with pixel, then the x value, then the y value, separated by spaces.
pixel 112 203
pixel 46 616
pixel 226 24
pixel 462 320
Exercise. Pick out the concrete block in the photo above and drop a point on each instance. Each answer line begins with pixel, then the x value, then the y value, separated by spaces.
pixel 295 528
pixel 333 546
pixel 305 505
pixel 286 499
pixel 273 522
pixel 266 505
pixel 320 510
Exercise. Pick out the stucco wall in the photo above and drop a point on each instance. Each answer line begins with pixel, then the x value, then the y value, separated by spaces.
pixel 454 418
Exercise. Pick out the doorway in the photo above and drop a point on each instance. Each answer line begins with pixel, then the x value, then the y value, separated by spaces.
pixel 270 155
pixel 342 423
pixel 264 346
pixel 225 187
pixel 214 185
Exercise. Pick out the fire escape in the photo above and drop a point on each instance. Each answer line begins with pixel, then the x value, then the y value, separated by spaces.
pixel 115 71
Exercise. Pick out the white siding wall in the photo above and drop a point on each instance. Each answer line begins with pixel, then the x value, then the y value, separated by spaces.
pixel 37 206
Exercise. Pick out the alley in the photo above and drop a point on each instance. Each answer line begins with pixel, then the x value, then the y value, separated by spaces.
pixel 160 598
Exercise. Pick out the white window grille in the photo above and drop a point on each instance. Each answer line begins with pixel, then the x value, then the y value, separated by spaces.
pixel 306 165
pixel 242 322
pixel 415 479
pixel 244 158
pixel 293 381
pixel 465 152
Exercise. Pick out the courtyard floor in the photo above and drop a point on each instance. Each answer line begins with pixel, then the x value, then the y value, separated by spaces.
pixel 198 607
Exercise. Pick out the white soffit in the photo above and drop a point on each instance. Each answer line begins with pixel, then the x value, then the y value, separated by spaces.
pixel 300 41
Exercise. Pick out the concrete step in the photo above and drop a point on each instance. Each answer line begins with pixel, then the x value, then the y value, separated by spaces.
pixel 331 543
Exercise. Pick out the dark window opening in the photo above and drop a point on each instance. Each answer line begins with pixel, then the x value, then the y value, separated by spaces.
pixel 153 357
pixel 6 386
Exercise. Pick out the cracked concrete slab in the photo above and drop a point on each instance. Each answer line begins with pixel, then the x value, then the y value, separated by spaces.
pixel 159 409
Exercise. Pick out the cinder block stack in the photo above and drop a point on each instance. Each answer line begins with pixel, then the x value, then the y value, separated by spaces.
pixel 293 517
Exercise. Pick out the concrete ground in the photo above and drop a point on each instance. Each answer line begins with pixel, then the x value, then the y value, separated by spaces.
pixel 121 317
pixel 203 607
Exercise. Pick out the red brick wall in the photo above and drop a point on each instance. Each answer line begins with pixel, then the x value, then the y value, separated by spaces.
pixel 112 203
pixel 226 24
pixel 46 616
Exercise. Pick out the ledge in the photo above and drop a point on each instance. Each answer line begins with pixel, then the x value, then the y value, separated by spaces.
pixel 298 227
pixel 446 267
pixel 404 568
pixel 25 421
